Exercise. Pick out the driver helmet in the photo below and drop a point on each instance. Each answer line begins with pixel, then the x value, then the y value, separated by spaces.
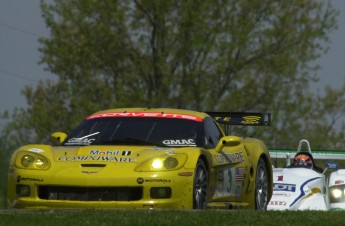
pixel 303 160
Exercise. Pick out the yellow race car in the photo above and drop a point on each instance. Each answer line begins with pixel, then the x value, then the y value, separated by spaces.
pixel 146 158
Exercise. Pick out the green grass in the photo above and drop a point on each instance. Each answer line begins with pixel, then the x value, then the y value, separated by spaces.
pixel 169 217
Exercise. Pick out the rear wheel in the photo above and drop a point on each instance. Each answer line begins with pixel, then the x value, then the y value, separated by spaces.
pixel 200 186
pixel 261 186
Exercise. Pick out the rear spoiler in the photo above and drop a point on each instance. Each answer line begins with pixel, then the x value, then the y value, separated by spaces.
pixel 241 118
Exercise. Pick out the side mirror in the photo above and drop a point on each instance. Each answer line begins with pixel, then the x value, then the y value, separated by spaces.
pixel 58 137
pixel 228 141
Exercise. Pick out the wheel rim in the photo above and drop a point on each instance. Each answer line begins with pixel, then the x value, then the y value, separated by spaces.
pixel 200 187
pixel 261 186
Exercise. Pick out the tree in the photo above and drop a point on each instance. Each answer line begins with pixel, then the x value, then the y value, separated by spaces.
pixel 222 55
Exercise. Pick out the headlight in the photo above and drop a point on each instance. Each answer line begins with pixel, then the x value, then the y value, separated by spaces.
pixel 337 194
pixel 163 163
pixel 28 160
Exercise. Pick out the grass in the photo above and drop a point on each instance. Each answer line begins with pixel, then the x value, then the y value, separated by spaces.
pixel 169 217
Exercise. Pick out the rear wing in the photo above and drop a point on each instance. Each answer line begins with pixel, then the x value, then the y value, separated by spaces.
pixel 241 118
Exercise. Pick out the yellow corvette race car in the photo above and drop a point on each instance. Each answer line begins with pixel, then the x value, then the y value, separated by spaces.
pixel 146 158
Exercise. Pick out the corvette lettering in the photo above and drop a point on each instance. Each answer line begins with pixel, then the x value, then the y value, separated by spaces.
pixel 144 114
pixel 181 142
pixel 284 187
pixel 95 158
pixel 232 158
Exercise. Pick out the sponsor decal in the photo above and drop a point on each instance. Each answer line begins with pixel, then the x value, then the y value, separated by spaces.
pixel 82 140
pixel 19 179
pixel 144 114
pixel 181 142
pixel 239 173
pixel 141 180
pixel 332 165
pixel 96 158
pixel 89 172
pixel 108 152
pixel 277 203
pixel 126 153
pixel 339 182
pixel 231 158
pixel 284 187
pixel 158 180
pixel 281 194
pixel 79 141
pixel 280 178
pixel 251 120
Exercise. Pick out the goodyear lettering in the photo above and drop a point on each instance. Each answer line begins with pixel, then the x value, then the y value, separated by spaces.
pixel 231 158
pixel 284 187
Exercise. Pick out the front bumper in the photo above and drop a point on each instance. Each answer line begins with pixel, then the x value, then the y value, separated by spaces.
pixel 28 189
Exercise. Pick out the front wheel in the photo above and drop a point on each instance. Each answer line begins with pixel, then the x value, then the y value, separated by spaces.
pixel 200 186
pixel 261 186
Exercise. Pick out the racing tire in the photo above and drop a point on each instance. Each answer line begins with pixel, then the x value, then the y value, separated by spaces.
pixel 261 186
pixel 200 186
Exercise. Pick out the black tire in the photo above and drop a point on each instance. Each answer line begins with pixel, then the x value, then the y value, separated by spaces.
pixel 200 186
pixel 261 186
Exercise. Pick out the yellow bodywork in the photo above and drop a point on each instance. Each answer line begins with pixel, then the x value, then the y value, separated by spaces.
pixel 134 173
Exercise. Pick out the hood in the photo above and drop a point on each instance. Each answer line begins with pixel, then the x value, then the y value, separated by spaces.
pixel 120 154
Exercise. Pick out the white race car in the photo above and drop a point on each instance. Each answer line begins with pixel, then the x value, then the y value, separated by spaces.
pixel 300 185
pixel 336 190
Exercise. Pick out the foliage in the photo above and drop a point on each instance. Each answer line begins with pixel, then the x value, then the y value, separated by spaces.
pixel 209 55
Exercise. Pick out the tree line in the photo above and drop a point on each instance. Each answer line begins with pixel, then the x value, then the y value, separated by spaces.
pixel 204 55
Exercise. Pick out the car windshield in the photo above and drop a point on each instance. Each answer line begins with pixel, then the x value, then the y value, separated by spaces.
pixel 137 131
